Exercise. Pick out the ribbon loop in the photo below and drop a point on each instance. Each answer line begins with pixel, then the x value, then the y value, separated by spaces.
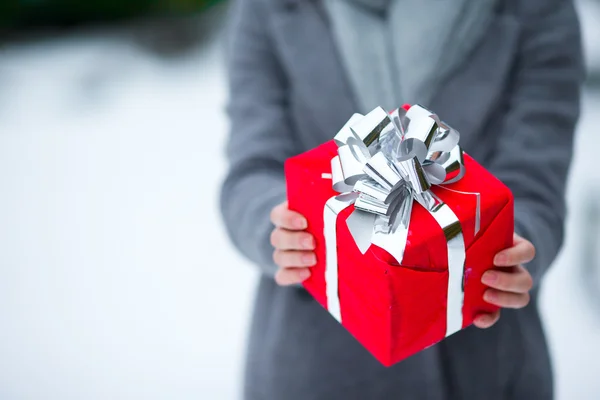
pixel 382 171
pixel 371 126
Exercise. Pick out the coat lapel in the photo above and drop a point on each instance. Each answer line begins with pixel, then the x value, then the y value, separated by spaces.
pixel 309 55
pixel 467 99
pixel 312 63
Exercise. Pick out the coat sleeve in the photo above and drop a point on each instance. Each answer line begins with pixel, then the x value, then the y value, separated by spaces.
pixel 261 137
pixel 534 151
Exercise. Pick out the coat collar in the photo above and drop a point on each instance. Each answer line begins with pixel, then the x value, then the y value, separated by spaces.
pixel 465 100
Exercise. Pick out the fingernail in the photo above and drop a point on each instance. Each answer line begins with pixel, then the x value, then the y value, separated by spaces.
pixel 501 259
pixel 300 223
pixel 489 277
pixel 304 274
pixel 309 259
pixel 490 296
pixel 308 243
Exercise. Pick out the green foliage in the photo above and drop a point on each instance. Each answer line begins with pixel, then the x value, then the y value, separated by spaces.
pixel 25 13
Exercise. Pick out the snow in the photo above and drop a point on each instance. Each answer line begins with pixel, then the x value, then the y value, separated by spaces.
pixel 571 292
pixel 589 12
pixel 116 278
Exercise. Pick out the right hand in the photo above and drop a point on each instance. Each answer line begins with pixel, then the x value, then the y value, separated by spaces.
pixel 294 248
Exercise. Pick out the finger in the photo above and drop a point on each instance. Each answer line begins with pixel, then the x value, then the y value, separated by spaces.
pixel 521 252
pixel 517 281
pixel 283 239
pixel 506 299
pixel 294 258
pixel 283 217
pixel 291 276
pixel 484 321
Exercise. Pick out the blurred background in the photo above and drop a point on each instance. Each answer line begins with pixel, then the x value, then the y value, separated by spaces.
pixel 116 277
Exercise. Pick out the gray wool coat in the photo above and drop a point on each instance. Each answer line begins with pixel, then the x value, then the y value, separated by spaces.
pixel 515 101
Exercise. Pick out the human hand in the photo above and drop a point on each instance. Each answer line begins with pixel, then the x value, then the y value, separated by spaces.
pixel 293 246
pixel 509 283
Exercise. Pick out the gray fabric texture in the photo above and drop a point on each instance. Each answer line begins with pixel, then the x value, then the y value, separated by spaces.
pixel 515 101
pixel 399 51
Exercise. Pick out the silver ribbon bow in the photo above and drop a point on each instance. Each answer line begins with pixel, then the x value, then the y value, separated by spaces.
pixel 384 162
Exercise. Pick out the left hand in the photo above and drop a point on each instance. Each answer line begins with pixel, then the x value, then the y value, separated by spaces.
pixel 509 283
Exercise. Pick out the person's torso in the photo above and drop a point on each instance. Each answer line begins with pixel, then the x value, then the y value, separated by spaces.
pixel 297 350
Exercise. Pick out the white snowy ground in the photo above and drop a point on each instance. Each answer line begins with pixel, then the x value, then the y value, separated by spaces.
pixel 116 278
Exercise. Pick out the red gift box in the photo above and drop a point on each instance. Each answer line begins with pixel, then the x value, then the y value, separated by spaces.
pixel 394 310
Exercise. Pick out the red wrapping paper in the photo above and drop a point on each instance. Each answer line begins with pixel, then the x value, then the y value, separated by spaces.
pixel 393 310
